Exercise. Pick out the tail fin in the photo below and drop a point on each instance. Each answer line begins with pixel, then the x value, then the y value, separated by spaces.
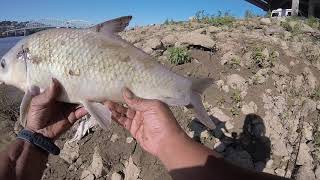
pixel 198 87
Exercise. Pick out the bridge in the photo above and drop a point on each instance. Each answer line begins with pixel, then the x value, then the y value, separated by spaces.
pixel 48 24
pixel 299 7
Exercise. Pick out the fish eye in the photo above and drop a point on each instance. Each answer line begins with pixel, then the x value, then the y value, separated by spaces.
pixel 3 63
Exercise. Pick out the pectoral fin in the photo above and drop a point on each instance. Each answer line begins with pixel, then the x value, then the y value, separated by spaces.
pixel 26 100
pixel 99 112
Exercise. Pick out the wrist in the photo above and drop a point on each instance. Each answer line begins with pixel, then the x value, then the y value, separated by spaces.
pixel 173 147
pixel 39 141
pixel 182 152
pixel 40 131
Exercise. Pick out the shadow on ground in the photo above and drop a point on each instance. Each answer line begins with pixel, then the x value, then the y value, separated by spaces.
pixel 249 149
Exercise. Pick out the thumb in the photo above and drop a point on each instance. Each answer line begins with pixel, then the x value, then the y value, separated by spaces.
pixel 135 102
pixel 50 94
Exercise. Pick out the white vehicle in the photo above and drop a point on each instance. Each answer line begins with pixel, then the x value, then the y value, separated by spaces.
pixel 281 12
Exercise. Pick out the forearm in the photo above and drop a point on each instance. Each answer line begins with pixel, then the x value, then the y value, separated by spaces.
pixel 22 160
pixel 182 152
pixel 186 159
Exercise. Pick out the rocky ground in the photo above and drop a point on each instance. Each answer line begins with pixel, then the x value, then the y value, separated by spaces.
pixel 266 97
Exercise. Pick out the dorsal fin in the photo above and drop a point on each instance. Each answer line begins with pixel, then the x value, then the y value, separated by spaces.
pixel 112 26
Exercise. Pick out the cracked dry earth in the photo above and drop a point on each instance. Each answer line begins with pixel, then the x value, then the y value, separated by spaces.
pixel 266 98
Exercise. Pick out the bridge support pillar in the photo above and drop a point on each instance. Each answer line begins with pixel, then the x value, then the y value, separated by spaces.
pixel 295 7
pixel 15 33
pixel 311 8
pixel 25 32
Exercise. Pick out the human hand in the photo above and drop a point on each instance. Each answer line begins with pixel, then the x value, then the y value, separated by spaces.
pixel 50 117
pixel 150 122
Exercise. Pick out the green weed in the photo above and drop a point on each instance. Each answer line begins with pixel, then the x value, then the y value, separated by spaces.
pixel 295 29
pixel 235 63
pixel 236 97
pixel 249 14
pixel 172 22
pixel 313 22
pixel 316 94
pixel 258 57
pixel 235 111
pixel 222 19
pixel 178 56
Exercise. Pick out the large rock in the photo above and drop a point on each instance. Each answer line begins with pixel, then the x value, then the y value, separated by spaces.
pixel 249 108
pixel 317 172
pixel 279 148
pixel 87 175
pixel 305 173
pixel 235 81
pixel 70 151
pixel 97 164
pixel 260 77
pixel 116 176
pixel 131 171
pixel 219 114
pixel 311 80
pixel 196 39
pixel 304 157
pixel 153 43
pixel 214 29
pixel 309 106
pixel 169 40
pixel 307 29
pixel 265 21
pixel 95 170
pixel 272 30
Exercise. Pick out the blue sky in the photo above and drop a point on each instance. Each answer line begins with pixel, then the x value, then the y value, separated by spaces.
pixel 143 11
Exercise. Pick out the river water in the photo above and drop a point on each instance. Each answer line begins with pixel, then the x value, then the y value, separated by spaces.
pixel 7 43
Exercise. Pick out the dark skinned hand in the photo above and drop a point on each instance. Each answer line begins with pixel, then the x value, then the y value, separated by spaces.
pixel 49 117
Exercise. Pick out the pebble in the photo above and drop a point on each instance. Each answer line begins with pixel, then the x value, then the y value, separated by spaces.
pixel 190 134
pixel 116 176
pixel 87 175
pixel 280 172
pixel 269 164
pixel 114 137
pixel 218 113
pixel 129 140
pixel 269 91
pixel 219 147
pixel 292 63
pixel 249 108
pixel 204 134
pixel 229 125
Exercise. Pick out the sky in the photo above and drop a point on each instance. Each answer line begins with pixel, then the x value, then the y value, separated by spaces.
pixel 143 11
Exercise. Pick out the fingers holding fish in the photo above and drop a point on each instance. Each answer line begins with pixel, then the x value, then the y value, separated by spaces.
pixel 136 124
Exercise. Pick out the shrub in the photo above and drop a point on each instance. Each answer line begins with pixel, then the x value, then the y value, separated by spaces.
pixel 236 97
pixel 172 22
pixel 249 14
pixel 216 20
pixel 313 22
pixel 258 57
pixel 261 60
pixel 295 29
pixel 178 56
pixel 316 94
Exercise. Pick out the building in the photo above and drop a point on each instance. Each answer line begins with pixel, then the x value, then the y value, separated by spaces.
pixel 305 8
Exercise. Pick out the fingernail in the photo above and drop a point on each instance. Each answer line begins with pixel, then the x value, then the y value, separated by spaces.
pixel 128 93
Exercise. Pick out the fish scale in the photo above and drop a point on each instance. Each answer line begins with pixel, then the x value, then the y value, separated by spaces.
pixel 79 50
pixel 94 65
